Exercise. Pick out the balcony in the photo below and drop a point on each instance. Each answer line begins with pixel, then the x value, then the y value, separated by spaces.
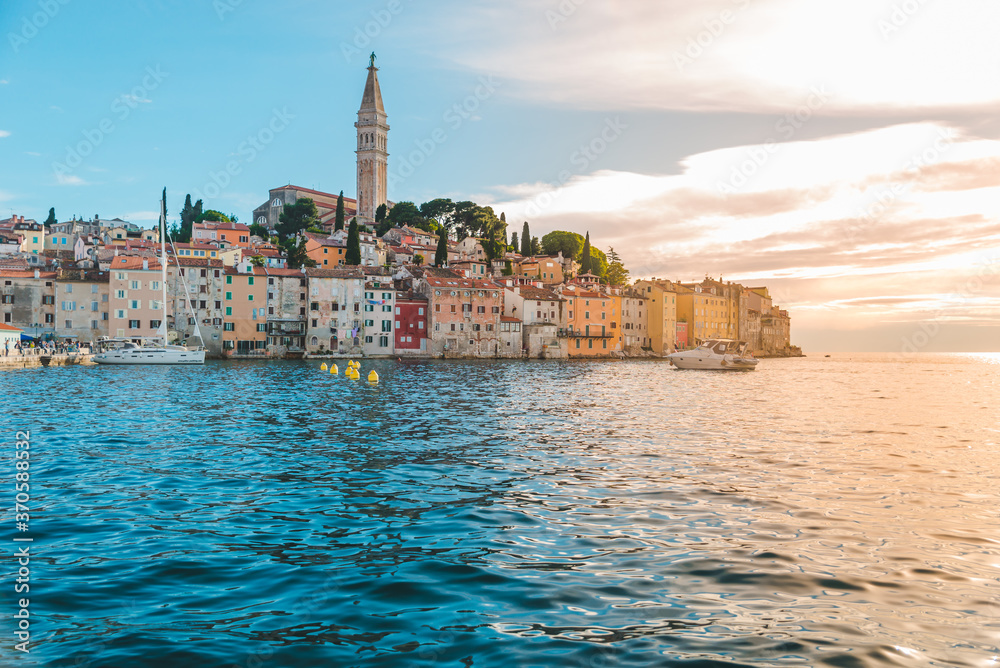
pixel 582 334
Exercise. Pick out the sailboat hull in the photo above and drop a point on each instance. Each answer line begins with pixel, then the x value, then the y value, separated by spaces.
pixel 150 356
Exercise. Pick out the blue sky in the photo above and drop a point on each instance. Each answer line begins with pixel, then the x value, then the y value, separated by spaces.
pixel 845 154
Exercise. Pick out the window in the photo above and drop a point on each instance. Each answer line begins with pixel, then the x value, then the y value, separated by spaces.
pixel 489 328
pixel 229 280
pixel 250 297
pixel 420 325
pixel 383 341
pixel 420 310
pixel 369 323
pixel 496 309
pixel 229 310
pixel 466 308
pixel 218 304
pixel 481 309
pixel 134 303
pixel 69 287
pixel 387 308
pixel 69 324
pixel 249 280
pixel 262 327
pixel 133 285
pixel 154 324
pixel 475 327
pixel 93 306
pixel 387 325
pixel 586 315
pixel 133 324
pixel 369 339
pixel 119 294
pixel 227 327
pixel 229 296
pixel 9 299
pixel 453 308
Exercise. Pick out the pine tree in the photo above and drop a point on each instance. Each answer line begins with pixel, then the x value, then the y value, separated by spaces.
pixel 380 212
pixel 525 240
pixel 352 255
pixel 51 220
pixel 339 221
pixel 441 254
pixel 585 259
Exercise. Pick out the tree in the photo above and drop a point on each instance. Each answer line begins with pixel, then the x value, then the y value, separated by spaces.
pixel 380 212
pixel 404 213
pixel 297 217
pixel 352 255
pixel 508 268
pixel 616 274
pixel 257 260
pixel 418 258
pixel 513 241
pixel 295 253
pixel 338 223
pixel 258 231
pixel 214 216
pixel 525 240
pixel 441 209
pixel 462 218
pixel 536 246
pixel 189 214
pixel 51 220
pixel 559 241
pixel 441 254
pixel 586 260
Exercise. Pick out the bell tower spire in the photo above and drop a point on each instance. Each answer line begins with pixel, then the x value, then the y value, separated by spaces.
pixel 373 133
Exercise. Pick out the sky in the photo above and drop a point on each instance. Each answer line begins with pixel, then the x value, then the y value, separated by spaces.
pixel 846 155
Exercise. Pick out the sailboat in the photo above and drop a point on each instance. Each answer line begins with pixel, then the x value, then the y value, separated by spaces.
pixel 155 350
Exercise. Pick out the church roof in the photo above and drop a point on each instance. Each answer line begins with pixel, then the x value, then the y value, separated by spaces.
pixel 372 100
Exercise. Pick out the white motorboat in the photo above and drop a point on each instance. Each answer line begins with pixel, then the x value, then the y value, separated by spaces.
pixel 158 350
pixel 715 355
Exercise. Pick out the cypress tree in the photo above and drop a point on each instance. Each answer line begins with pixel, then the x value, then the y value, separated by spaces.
pixel 339 221
pixel 441 254
pixel 51 220
pixel 513 242
pixel 585 261
pixel 353 253
pixel 525 240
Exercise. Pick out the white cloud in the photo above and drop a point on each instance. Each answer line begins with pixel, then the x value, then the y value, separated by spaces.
pixel 743 55
pixel 897 211
pixel 34 153
pixel 141 216
pixel 4 133
pixel 4 81
pixel 70 180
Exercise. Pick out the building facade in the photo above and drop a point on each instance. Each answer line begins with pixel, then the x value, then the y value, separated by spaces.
pixel 372 149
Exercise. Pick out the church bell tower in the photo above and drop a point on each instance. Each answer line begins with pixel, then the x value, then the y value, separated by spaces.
pixel 373 133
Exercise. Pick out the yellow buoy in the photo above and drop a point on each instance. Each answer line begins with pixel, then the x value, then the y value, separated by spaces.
pixel 323 367
pixel 372 376
pixel 350 362
pixel 334 369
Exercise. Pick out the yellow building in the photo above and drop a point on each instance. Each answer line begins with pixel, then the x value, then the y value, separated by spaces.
pixel 710 308
pixel 244 321
pixel 662 315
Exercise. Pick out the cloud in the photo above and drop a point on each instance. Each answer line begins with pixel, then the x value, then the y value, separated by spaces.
pixel 34 153
pixel 3 81
pixel 4 133
pixel 851 228
pixel 141 215
pixel 70 180
pixel 764 56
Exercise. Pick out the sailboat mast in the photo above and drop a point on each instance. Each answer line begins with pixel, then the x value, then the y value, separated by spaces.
pixel 163 263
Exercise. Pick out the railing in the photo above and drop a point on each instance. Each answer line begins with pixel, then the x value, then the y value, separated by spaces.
pixel 582 334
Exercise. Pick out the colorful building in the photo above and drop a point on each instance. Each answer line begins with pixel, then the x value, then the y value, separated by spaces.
pixel 465 314
pixel 244 329
pixel 136 298
pixel 411 331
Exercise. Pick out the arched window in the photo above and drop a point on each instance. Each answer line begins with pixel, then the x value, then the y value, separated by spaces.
pixel 314 341
pixel 261 220
pixel 277 202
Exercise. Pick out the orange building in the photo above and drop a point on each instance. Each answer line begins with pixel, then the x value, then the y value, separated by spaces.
pixel 325 252
pixel 244 320
pixel 593 322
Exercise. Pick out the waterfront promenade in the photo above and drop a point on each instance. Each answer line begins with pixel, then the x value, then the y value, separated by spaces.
pixel 40 357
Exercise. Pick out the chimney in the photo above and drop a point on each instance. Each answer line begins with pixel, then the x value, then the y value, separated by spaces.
pixel 37 274
pixel 145 263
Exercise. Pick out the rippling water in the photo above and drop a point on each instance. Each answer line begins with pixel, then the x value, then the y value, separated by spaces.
pixel 834 511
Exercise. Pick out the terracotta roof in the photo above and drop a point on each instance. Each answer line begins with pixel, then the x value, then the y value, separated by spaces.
pixel 196 262
pixel 276 271
pixel 17 273
pixel 539 294
pixel 8 328
pixel 461 283
pixel 132 262
pixel 315 192
pixel 507 318
pixel 351 272
pixel 324 241
pixel 215 225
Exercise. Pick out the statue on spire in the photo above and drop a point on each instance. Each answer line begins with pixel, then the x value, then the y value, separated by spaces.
pixel 371 60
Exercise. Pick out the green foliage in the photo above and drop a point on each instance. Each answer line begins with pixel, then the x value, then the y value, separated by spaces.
pixel 598 262
pixel 570 244
pixel 213 216
pixel 257 260
pixel 352 256
pixel 586 259
pixel 440 209
pixel 441 253
pixel 189 214
pixel 508 268
pixel 339 220
pixel 380 212
pixel 258 231
pixel 51 220
pixel 383 227
pixel 616 274
pixel 513 242
pixel 418 258
pixel 536 246
pixel 404 213
pixel 297 217
pixel 525 240
pixel 295 252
